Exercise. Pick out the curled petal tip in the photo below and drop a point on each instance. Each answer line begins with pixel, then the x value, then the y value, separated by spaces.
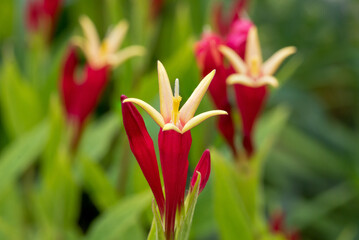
pixel 170 126
pixel 123 97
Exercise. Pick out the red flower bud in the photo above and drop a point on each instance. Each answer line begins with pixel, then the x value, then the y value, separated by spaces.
pixel 203 167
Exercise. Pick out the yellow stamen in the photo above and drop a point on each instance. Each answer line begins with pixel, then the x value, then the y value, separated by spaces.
pixel 104 48
pixel 176 100
pixel 254 67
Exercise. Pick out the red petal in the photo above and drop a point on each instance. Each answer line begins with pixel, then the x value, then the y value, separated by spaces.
pixel 142 147
pixel 250 102
pixel 204 167
pixel 209 58
pixel 174 149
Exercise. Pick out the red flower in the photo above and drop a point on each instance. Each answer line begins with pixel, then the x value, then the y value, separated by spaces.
pixel 80 96
pixel 223 24
pixel 209 58
pixel 42 13
pixel 252 76
pixel 174 142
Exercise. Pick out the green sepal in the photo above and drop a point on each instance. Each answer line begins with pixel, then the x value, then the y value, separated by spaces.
pixel 185 222
pixel 156 232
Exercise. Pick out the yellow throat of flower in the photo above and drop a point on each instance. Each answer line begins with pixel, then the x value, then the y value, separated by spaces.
pixel 104 48
pixel 254 67
pixel 176 100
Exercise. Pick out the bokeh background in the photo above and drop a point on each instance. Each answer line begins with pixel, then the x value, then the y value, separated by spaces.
pixel 311 172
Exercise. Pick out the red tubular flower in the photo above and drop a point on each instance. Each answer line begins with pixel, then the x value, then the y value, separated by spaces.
pixel 42 13
pixel 142 147
pixel 80 96
pixel 203 167
pixel 222 24
pixel 209 58
pixel 174 140
pixel 251 75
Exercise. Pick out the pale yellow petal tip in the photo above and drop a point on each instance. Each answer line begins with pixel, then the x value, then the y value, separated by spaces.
pixel 224 49
pixel 290 50
pixel 171 126
pixel 138 50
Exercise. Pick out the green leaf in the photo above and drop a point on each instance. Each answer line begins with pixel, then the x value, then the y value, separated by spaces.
pixel 97 184
pixel 117 220
pixel 56 202
pixel 20 104
pixel 98 137
pixel 20 154
pixel 184 226
pixel 231 215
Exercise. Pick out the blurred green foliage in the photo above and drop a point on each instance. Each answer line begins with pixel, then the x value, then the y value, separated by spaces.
pixel 309 132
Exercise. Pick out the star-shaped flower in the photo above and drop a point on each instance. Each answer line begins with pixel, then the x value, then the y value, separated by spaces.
pixel 100 54
pixel 171 118
pixel 252 71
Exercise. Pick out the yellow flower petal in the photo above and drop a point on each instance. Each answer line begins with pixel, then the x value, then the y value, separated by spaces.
pixel 116 36
pixel 126 53
pixel 189 108
pixel 240 79
pixel 200 118
pixel 267 80
pixel 273 63
pixel 149 109
pixel 236 61
pixel 165 92
pixel 171 126
pixel 253 48
pixel 91 36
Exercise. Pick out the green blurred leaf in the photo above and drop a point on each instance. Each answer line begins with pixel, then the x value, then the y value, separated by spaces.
pixel 184 226
pixel 56 203
pixel 20 104
pixel 231 215
pixel 20 154
pixel 97 184
pixel 11 214
pixel 99 135
pixel 119 219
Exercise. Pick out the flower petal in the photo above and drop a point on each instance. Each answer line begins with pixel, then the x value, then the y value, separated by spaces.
pixel 253 48
pixel 273 63
pixel 91 36
pixel 267 80
pixel 149 109
pixel 165 92
pixel 126 53
pixel 240 79
pixel 142 147
pixel 116 36
pixel 200 118
pixel 236 61
pixel 189 108
pixel 204 168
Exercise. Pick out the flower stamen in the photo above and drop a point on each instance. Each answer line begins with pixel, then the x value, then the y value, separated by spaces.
pixel 176 100
pixel 254 67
